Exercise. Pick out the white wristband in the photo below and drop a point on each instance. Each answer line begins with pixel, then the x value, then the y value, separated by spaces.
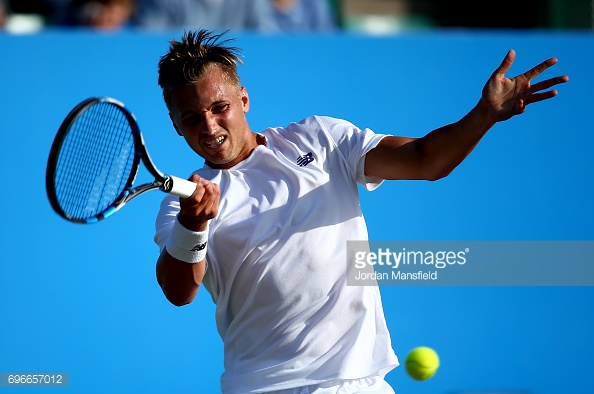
pixel 186 245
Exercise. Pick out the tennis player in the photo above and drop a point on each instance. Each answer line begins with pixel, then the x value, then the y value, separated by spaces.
pixel 265 231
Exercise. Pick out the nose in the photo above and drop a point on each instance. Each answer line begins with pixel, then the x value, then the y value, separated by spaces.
pixel 211 125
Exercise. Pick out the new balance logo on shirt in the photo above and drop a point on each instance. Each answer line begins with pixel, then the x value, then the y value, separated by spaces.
pixel 304 160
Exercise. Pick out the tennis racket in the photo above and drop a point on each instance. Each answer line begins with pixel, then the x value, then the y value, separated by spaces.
pixel 94 161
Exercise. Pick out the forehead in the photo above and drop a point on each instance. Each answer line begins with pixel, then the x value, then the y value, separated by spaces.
pixel 210 88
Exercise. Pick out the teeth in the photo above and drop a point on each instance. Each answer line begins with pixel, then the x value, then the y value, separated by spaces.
pixel 216 142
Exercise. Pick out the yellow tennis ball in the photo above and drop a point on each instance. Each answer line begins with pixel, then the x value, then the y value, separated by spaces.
pixel 422 363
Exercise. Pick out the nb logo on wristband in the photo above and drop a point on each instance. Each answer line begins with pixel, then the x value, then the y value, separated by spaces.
pixel 198 247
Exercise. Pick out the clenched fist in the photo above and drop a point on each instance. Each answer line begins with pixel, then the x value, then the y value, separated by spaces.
pixel 201 206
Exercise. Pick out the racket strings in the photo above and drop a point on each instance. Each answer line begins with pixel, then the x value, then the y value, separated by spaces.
pixel 95 161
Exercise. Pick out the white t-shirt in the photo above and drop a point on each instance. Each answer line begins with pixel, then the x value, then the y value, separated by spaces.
pixel 276 261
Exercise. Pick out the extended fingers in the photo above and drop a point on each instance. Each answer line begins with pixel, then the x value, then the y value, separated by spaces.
pixel 538 87
pixel 507 62
pixel 549 83
pixel 535 71
pixel 536 97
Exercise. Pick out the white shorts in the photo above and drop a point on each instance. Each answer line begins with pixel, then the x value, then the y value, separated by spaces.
pixel 372 384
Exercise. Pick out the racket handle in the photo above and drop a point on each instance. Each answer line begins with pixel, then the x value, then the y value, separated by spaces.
pixel 179 187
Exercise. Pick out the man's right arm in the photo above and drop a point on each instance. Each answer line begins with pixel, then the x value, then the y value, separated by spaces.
pixel 179 279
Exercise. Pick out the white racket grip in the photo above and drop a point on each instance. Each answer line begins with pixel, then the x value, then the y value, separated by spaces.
pixel 180 187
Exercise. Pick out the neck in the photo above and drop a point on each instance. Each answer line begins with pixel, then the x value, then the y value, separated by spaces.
pixel 258 139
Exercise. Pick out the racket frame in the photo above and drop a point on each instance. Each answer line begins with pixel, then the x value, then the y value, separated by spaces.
pixel 162 182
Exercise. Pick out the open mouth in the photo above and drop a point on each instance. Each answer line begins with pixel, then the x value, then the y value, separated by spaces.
pixel 216 142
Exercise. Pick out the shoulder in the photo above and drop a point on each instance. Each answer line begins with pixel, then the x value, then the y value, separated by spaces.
pixel 335 125
pixel 315 124
pixel 325 121
pixel 316 129
pixel 335 129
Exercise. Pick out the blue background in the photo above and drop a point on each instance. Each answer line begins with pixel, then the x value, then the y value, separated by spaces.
pixel 84 299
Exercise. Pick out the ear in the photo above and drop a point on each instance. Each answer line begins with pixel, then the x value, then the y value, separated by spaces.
pixel 174 125
pixel 245 99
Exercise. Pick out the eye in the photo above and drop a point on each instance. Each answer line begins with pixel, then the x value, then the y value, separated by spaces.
pixel 191 119
pixel 220 108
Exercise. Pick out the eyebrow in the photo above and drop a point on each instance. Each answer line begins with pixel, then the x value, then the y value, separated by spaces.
pixel 213 104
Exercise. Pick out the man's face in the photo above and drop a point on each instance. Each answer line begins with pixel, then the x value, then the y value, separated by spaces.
pixel 210 115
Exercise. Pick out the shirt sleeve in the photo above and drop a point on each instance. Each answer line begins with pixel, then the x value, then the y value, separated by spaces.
pixel 165 219
pixel 353 143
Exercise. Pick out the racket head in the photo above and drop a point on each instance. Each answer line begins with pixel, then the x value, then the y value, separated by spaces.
pixel 93 160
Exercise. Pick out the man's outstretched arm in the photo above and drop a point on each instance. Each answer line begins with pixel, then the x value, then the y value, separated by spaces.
pixel 437 154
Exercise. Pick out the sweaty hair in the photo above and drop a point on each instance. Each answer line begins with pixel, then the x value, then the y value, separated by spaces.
pixel 188 60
